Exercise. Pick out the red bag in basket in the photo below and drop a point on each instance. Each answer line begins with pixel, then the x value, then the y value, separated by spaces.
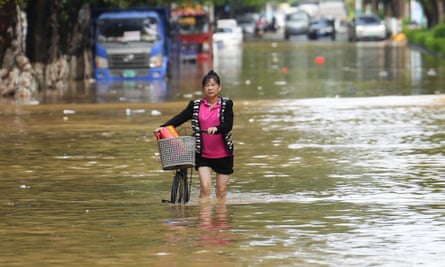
pixel 166 132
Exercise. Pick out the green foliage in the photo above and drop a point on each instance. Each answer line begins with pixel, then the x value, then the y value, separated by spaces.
pixel 439 31
pixel 429 42
pixel 433 40
pixel 410 33
pixel 5 2
pixel 441 45
pixel 420 38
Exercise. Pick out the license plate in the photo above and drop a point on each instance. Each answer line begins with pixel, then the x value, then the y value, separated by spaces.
pixel 129 74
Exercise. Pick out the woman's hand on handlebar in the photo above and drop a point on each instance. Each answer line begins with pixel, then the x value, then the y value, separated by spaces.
pixel 212 130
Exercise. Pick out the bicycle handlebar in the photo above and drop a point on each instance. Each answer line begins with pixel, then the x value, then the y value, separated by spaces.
pixel 157 132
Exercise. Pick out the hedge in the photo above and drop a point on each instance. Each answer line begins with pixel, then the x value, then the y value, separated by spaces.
pixel 432 39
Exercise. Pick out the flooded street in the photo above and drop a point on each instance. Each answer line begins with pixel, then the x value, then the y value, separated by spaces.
pixel 339 162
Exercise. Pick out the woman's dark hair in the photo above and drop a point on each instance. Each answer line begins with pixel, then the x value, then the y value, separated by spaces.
pixel 211 75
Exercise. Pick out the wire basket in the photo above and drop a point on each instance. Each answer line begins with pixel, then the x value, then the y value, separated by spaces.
pixel 177 152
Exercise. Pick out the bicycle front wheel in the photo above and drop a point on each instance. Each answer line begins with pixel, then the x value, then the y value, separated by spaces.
pixel 180 189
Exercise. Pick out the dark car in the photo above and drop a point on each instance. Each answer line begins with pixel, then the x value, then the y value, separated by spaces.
pixel 321 28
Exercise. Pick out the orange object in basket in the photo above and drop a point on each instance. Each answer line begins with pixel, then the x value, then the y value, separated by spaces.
pixel 167 132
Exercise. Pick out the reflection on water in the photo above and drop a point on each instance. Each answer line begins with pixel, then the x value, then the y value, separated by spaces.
pixel 277 69
pixel 317 182
pixel 229 63
pixel 320 179
pixel 131 91
pixel 212 224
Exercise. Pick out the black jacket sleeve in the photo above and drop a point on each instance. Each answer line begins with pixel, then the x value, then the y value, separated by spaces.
pixel 226 126
pixel 182 117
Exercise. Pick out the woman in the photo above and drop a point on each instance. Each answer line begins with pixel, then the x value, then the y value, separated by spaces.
pixel 212 122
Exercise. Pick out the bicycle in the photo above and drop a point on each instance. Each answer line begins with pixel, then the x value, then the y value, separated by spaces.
pixel 180 190
pixel 177 153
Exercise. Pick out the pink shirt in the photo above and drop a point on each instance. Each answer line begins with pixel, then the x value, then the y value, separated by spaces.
pixel 212 145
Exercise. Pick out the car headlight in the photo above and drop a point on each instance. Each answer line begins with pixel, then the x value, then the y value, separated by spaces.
pixel 156 61
pixel 101 62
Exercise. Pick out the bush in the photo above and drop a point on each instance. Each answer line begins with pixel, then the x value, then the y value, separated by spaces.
pixel 420 38
pixel 433 40
pixel 439 31
pixel 440 42
pixel 411 33
pixel 430 42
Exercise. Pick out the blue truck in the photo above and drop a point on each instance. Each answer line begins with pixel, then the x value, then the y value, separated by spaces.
pixel 132 44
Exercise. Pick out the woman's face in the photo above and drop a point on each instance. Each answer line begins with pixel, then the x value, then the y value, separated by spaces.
pixel 211 88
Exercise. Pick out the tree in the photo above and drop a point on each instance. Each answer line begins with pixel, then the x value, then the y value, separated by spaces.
pixel 434 11
pixel 58 33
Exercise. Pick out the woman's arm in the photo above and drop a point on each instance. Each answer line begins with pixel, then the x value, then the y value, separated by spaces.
pixel 227 124
pixel 182 117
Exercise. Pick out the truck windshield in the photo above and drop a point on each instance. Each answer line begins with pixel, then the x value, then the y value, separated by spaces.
pixel 128 30
pixel 193 24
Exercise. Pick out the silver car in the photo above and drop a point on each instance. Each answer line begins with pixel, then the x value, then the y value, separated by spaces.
pixel 366 27
pixel 296 23
pixel 247 22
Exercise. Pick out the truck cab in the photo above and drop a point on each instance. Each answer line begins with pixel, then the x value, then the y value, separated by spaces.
pixel 132 44
pixel 195 34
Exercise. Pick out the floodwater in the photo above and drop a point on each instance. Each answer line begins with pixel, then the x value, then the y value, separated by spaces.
pixel 337 164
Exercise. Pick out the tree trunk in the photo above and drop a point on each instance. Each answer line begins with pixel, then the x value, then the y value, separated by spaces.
pixel 38 12
pixel 43 44
pixel 441 11
pixel 431 10
pixel 79 46
pixel 54 52
pixel 17 79
pixel 375 6
pixel 7 15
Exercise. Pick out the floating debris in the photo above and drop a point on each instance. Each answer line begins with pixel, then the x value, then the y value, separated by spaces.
pixel 383 74
pixel 284 70
pixel 431 72
pixel 320 60
pixel 280 82
pixel 188 95
pixel 156 112
pixel 69 111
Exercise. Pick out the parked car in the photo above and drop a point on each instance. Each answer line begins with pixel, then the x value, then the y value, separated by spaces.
pixel 227 33
pixel 296 23
pixel 366 27
pixel 321 28
pixel 247 22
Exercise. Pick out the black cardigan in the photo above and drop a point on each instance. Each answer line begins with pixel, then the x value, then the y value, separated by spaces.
pixel 191 112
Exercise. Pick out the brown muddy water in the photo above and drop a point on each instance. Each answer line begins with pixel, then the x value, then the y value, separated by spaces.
pixel 328 180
